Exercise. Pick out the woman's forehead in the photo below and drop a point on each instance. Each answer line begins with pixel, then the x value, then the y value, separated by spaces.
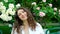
pixel 20 10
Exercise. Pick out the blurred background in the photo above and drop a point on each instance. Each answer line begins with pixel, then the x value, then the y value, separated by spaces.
pixel 45 12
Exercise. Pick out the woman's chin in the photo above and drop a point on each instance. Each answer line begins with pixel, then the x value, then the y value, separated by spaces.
pixel 24 19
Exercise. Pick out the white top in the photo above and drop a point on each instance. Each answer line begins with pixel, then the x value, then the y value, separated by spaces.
pixel 38 30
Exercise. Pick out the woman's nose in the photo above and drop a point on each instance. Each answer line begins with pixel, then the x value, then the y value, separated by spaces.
pixel 22 14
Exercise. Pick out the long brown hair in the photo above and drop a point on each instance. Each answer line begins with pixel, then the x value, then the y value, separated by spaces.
pixel 18 22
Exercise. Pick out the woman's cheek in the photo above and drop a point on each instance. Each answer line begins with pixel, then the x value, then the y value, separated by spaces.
pixel 25 13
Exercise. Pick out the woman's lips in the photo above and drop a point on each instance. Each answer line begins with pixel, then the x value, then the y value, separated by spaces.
pixel 23 16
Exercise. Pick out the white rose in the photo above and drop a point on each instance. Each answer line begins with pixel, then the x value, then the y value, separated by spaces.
pixel 59 10
pixel 9 18
pixel 34 3
pixel 5 17
pixel 18 5
pixel 55 9
pixel 38 8
pixel 44 0
pixel 11 6
pixel 6 0
pixel 1 3
pixel 10 11
pixel 50 5
pixel 2 9
pixel 41 14
pixel 10 25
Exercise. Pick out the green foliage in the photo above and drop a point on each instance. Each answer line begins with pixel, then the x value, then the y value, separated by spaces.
pixel 50 17
pixel 5 29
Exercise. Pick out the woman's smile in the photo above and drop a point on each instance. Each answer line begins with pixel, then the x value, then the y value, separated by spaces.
pixel 23 16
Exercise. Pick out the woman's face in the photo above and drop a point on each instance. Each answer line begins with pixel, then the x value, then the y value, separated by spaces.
pixel 22 14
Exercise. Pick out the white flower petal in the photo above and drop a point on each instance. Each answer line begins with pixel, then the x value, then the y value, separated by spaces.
pixel 10 25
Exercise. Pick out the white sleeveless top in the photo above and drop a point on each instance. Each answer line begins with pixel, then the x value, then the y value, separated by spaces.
pixel 38 30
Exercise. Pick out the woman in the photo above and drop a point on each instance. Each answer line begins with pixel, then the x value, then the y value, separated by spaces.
pixel 25 23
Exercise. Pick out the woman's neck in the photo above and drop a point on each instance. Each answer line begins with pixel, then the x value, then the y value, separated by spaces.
pixel 26 27
pixel 25 22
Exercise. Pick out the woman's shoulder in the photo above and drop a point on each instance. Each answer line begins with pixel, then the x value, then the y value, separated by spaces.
pixel 39 28
pixel 38 24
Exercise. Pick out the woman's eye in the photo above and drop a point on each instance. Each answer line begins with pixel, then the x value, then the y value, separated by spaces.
pixel 22 11
pixel 19 14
